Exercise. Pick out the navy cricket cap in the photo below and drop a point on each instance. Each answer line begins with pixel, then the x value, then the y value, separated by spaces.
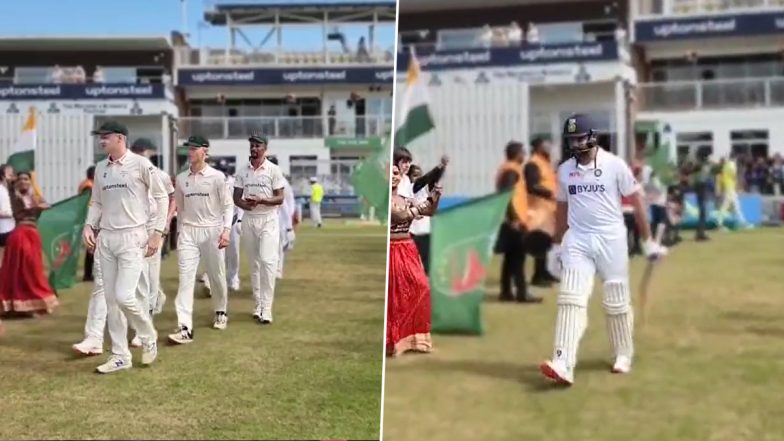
pixel 577 126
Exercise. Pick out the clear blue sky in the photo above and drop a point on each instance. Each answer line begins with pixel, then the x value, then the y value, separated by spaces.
pixel 154 18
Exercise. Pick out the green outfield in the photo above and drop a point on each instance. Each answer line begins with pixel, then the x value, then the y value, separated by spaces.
pixel 314 374
pixel 709 361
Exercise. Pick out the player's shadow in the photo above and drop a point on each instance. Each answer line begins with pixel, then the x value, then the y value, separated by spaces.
pixel 526 374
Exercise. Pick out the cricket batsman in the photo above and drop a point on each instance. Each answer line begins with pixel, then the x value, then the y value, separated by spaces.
pixel 258 191
pixel 592 238
pixel 204 210
pixel 124 182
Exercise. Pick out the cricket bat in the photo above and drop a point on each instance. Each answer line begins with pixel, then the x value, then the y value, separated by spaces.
pixel 645 283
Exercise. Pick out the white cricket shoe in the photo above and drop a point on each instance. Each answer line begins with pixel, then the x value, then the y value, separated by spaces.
pixel 181 336
pixel 88 347
pixel 136 342
pixel 114 364
pixel 221 320
pixel 149 350
pixel 623 365
pixel 234 287
pixel 558 372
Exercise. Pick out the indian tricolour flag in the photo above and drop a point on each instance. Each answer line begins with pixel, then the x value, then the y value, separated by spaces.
pixel 414 117
pixel 22 158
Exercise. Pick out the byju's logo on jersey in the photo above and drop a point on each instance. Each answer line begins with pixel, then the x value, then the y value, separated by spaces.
pixel 593 188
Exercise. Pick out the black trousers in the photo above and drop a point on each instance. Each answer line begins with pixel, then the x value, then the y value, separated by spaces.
pixel 702 200
pixel 422 242
pixel 512 245
pixel 633 233
pixel 88 266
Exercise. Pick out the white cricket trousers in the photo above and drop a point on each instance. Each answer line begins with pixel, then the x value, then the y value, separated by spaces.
pixel 261 240
pixel 150 280
pixel 193 245
pixel 730 199
pixel 233 256
pixel 96 309
pixel 582 256
pixel 315 212
pixel 95 324
pixel 122 260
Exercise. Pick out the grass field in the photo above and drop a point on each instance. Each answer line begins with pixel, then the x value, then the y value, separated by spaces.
pixel 709 364
pixel 314 374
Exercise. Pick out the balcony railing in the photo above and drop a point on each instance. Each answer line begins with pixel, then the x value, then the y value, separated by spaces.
pixel 703 7
pixel 713 94
pixel 187 56
pixel 240 127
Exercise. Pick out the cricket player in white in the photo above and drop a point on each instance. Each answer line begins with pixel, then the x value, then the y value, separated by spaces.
pixel 258 190
pixel 233 250
pixel 204 210
pixel 118 208
pixel 150 281
pixel 286 215
pixel 593 239
pixel 148 288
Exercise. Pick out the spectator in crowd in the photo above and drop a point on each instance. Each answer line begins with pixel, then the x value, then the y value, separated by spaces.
pixel 514 34
pixel 24 288
pixel 532 36
pixel 777 174
pixel 362 51
pixel 57 74
pixel 98 75
pixel 632 231
pixel 656 197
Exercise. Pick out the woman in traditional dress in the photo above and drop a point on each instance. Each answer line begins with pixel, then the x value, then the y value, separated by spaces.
pixel 23 285
pixel 408 310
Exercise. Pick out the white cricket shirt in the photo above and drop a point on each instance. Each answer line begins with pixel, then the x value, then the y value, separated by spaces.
pixel 594 194
pixel 122 192
pixel 203 199
pixel 230 185
pixel 260 183
pixel 167 184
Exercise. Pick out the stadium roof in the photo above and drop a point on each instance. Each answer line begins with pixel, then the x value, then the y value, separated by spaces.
pixel 92 43
pixel 413 6
pixel 301 12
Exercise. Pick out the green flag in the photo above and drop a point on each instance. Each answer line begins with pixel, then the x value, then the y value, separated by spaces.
pixel 61 235
pixel 462 239
pixel 371 181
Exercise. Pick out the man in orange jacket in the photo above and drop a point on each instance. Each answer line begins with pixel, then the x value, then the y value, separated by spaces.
pixel 542 186
pixel 511 237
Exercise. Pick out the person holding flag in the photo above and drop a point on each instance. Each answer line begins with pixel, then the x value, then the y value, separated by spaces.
pixel 409 308
pixel 23 284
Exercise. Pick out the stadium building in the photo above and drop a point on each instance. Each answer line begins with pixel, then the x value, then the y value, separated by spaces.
pixel 72 84
pixel 323 109
pixel 499 70
pixel 713 71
